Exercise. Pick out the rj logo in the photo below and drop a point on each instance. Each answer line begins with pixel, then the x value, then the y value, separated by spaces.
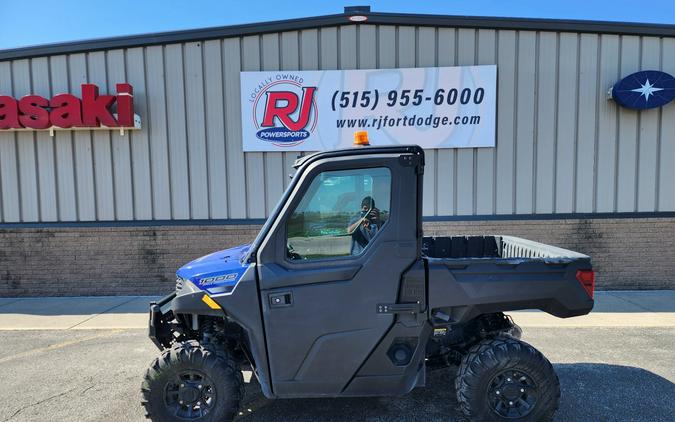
pixel 283 104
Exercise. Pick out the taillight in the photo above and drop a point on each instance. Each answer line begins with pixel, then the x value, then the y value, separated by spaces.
pixel 587 280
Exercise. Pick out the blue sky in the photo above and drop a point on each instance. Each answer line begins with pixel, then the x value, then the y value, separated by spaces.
pixel 70 20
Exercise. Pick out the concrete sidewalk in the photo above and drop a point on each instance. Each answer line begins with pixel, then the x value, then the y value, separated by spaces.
pixel 66 313
pixel 645 308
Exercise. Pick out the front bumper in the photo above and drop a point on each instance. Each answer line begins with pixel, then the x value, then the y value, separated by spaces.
pixel 159 328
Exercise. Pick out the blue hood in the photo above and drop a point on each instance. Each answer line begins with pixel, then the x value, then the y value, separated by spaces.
pixel 218 272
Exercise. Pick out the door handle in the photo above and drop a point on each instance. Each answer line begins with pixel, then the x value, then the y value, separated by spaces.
pixel 280 300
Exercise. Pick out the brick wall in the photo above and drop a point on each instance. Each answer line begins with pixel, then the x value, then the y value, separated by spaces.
pixel 627 253
pixel 106 261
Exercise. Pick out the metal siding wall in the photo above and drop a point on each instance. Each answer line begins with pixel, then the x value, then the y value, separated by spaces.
pixel 586 118
pixel 154 122
pixel 141 181
pixel 103 167
pixel 176 131
pixel 629 57
pixel 236 170
pixel 648 136
pixel 63 141
pixel 25 148
pixel 506 118
pixel 45 149
pixel 485 157
pixel 121 152
pixel 607 126
pixel 215 129
pixel 545 119
pixel 9 178
pixel 567 115
pixel 84 163
pixel 196 131
pixel 561 146
pixel 666 154
pixel 525 122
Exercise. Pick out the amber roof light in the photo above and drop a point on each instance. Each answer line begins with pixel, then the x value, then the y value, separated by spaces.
pixel 361 138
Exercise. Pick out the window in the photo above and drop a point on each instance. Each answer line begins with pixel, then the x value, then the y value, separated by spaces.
pixel 339 214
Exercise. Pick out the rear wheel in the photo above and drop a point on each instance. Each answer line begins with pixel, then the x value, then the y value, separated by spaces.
pixel 504 379
pixel 190 382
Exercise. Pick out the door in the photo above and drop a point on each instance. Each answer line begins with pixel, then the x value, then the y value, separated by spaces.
pixel 336 251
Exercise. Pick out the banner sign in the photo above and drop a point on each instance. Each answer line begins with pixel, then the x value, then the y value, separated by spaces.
pixel 436 107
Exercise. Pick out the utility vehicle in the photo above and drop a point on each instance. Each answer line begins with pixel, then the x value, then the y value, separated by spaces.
pixel 341 295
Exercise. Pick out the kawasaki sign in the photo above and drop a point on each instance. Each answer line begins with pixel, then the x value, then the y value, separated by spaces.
pixel 66 111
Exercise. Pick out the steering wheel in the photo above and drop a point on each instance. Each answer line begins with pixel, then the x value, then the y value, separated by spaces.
pixel 290 252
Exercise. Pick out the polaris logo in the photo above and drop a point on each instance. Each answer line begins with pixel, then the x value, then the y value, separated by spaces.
pixel 644 90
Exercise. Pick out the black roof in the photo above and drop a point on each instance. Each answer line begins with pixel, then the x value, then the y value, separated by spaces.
pixel 363 150
pixel 622 28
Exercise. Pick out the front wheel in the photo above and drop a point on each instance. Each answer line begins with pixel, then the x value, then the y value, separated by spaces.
pixel 504 379
pixel 190 382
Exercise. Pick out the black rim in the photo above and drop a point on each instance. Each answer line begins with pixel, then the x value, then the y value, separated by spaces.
pixel 190 395
pixel 512 394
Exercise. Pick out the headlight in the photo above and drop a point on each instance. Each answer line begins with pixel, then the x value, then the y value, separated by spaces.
pixel 179 283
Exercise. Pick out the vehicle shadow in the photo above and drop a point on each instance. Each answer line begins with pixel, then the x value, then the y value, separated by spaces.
pixel 590 392
pixel 602 392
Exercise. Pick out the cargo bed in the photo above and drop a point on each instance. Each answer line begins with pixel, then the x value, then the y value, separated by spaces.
pixel 474 275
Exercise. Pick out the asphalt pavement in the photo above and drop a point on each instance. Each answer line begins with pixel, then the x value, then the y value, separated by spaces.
pixel 619 372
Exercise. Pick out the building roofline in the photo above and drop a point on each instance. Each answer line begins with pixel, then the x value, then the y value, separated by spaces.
pixel 374 18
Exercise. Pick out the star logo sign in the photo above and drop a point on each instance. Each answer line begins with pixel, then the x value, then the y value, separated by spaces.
pixel 644 90
pixel 647 89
